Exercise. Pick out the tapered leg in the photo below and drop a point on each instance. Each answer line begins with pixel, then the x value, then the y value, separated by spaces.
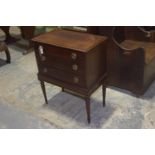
pixel 8 59
pixel 44 91
pixel 62 89
pixel 3 47
pixel 87 100
pixel 104 94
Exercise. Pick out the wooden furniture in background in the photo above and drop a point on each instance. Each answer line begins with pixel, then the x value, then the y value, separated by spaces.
pixel 4 48
pixel 8 38
pixel 72 60
pixel 131 59
pixel 27 33
pixel 85 29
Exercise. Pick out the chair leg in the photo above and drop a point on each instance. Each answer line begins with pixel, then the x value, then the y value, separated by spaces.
pixel 44 91
pixel 8 58
pixel 3 47
pixel 63 90
pixel 29 48
pixel 104 94
pixel 87 101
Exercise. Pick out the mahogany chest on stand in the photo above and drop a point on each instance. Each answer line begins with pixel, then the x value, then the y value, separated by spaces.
pixel 72 60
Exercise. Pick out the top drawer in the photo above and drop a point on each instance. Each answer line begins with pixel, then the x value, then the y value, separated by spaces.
pixel 61 53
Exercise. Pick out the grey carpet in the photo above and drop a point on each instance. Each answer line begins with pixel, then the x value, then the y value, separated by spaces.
pixel 12 117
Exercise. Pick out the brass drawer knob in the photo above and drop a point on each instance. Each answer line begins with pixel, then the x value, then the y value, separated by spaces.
pixel 76 80
pixel 45 70
pixel 74 56
pixel 41 50
pixel 75 67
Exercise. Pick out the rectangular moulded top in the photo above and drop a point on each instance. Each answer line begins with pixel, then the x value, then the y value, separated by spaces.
pixel 78 41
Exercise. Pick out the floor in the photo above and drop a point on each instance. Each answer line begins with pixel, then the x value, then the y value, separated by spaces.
pixel 22 103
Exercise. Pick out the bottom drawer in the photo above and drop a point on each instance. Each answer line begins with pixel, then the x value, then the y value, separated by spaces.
pixel 63 76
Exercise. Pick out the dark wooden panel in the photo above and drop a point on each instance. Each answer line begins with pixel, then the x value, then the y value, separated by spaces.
pixel 96 64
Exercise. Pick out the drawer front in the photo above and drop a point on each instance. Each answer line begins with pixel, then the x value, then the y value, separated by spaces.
pixel 65 54
pixel 63 76
pixel 61 58
pixel 72 67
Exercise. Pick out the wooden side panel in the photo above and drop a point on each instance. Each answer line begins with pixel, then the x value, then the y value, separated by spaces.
pixel 96 64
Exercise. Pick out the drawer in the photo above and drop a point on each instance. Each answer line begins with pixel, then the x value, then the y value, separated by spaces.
pixel 72 67
pixel 63 76
pixel 60 53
